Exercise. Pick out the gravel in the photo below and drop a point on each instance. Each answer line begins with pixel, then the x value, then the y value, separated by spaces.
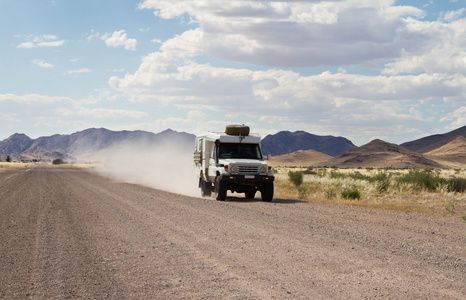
pixel 68 233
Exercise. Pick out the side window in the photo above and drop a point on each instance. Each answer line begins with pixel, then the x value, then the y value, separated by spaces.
pixel 199 145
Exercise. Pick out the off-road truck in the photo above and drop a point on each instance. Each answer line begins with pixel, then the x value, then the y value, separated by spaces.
pixel 232 161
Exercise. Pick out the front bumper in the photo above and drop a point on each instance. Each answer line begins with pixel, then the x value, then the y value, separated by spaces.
pixel 255 180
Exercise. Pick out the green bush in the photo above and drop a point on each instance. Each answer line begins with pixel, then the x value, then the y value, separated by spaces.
pixel 330 194
pixel 310 171
pixel 302 192
pixel 296 177
pixel 356 175
pixel 351 194
pixel 58 161
pixel 382 180
pixel 457 185
pixel 422 179
pixel 337 175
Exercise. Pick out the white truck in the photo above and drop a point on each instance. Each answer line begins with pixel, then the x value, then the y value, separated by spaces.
pixel 232 161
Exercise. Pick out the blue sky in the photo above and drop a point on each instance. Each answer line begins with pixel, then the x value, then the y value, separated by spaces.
pixel 362 69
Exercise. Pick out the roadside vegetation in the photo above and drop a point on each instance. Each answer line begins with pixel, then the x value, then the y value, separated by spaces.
pixel 428 191
pixel 58 161
pixel 5 166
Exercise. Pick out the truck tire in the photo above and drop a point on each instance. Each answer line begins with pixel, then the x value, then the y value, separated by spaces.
pixel 220 189
pixel 206 188
pixel 267 192
pixel 242 130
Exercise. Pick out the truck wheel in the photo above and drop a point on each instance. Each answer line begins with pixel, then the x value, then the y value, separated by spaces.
pixel 206 188
pixel 267 192
pixel 250 195
pixel 220 189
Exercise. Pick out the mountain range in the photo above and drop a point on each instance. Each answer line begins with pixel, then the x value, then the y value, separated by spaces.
pixel 435 141
pixel 438 151
pixel 285 142
pixel 85 143
pixel 380 154
pixel 286 148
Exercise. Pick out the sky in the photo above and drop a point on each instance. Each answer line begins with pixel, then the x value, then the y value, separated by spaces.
pixel 361 69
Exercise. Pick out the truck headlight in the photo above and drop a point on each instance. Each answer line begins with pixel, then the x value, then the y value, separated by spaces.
pixel 234 169
pixel 263 169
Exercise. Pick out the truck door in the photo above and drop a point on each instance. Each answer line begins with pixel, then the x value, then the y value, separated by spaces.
pixel 213 164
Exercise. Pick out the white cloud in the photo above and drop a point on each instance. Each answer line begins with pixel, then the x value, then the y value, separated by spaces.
pixel 60 112
pixel 51 44
pixel 100 113
pixel 456 118
pixel 325 98
pixel 424 62
pixel 295 34
pixel 454 15
pixel 32 98
pixel 119 39
pixel 442 49
pixel 84 70
pixel 41 63
pixel 92 35
pixel 188 44
pixel 27 45
pixel 41 41
pixel 319 33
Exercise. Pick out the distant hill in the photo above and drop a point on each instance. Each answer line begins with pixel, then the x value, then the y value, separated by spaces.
pixel 380 154
pixel 452 154
pixel 432 142
pixel 457 146
pixel 299 158
pixel 15 145
pixel 285 142
pixel 84 143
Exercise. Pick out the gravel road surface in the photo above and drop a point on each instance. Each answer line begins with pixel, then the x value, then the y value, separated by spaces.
pixel 68 233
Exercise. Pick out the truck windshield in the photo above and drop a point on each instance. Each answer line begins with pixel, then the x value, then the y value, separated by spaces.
pixel 235 150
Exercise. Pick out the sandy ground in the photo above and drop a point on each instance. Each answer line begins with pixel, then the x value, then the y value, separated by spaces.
pixel 69 233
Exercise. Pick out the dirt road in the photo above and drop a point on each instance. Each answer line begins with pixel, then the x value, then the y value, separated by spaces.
pixel 69 233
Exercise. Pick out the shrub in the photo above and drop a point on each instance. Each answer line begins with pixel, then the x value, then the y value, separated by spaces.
pixel 310 171
pixel 457 185
pixel 330 194
pixel 356 175
pixel 450 207
pixel 351 194
pixel 8 159
pixel 422 179
pixel 58 161
pixel 322 172
pixel 337 175
pixel 302 192
pixel 382 180
pixel 296 177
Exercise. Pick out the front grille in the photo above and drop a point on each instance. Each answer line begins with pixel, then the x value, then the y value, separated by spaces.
pixel 249 169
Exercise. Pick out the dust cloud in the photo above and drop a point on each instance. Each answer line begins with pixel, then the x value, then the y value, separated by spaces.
pixel 167 166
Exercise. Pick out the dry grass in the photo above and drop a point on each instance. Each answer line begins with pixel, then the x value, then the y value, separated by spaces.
pixel 319 186
pixel 5 166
